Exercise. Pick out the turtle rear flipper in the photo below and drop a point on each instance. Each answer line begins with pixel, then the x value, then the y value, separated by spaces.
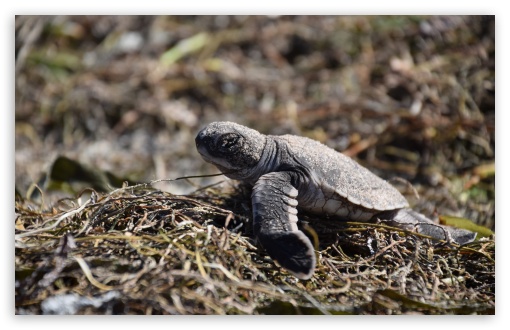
pixel 275 224
pixel 409 219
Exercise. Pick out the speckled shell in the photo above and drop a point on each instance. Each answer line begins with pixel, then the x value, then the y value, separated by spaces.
pixel 343 176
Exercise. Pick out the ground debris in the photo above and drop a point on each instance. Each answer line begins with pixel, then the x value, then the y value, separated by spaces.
pixel 144 251
pixel 69 304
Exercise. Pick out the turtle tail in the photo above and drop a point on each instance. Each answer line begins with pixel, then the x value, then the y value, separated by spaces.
pixel 412 220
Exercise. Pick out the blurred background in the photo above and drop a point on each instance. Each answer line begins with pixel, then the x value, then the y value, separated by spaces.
pixel 409 97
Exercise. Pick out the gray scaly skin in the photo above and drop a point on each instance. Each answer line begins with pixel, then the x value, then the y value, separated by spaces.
pixel 287 171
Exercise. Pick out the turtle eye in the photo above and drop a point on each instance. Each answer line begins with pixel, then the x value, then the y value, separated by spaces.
pixel 228 142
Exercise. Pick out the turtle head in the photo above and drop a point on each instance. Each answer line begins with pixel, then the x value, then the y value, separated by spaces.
pixel 234 149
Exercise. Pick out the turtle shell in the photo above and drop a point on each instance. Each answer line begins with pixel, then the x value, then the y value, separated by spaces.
pixel 344 176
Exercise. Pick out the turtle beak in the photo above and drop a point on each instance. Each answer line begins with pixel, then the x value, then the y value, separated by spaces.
pixel 201 142
pixel 202 151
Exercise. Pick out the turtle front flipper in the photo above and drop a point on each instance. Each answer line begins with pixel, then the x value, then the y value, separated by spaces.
pixel 275 224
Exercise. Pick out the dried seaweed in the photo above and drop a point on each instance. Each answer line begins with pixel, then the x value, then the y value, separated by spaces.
pixel 167 254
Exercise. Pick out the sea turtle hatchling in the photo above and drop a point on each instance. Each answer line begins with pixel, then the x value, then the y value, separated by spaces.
pixel 287 171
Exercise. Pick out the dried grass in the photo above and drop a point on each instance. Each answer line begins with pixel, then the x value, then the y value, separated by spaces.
pixel 167 254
